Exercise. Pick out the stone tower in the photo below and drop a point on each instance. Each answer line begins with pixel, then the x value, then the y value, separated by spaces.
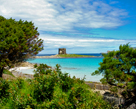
pixel 62 51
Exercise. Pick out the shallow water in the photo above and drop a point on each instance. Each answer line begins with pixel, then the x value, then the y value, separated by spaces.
pixel 78 67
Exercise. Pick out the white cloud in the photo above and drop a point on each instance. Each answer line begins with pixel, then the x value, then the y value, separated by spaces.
pixel 63 15
pixel 84 45
pixel 80 40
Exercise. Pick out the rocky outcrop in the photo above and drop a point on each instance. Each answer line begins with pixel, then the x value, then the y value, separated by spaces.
pixel 111 98
pixel 94 85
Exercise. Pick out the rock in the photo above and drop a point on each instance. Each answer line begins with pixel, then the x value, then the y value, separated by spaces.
pixel 99 86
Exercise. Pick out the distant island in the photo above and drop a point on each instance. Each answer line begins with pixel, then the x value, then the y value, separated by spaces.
pixel 64 56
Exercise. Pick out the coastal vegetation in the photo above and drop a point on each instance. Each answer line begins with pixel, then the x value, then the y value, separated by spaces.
pixel 5 71
pixel 18 41
pixel 119 71
pixel 72 55
pixel 49 89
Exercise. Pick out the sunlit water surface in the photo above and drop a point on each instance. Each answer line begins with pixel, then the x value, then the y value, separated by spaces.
pixel 78 67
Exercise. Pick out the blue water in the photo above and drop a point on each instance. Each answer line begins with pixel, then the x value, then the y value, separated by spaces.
pixel 78 67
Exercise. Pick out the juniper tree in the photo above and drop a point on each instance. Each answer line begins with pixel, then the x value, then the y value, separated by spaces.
pixel 18 41
pixel 119 71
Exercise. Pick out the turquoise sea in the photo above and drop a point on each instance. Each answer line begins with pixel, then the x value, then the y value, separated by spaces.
pixel 78 67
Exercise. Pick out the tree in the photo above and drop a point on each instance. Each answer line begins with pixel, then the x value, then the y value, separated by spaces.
pixel 119 71
pixel 18 41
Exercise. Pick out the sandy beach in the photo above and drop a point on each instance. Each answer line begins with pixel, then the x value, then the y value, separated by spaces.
pixel 18 69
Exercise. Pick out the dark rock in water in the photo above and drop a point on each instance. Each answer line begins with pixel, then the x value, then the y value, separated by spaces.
pixel 68 68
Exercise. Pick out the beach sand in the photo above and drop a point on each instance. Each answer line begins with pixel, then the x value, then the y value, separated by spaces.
pixel 16 71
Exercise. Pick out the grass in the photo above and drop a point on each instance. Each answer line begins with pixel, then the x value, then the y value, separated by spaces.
pixel 73 55
pixel 7 72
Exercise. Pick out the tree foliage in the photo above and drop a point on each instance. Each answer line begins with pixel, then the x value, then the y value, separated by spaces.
pixel 119 70
pixel 18 41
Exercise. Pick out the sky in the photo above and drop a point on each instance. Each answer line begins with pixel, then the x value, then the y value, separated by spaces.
pixel 80 26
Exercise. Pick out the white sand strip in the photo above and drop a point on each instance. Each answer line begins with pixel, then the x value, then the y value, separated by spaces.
pixel 20 68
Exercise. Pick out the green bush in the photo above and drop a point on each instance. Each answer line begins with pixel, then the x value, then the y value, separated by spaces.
pixel 5 71
pixel 50 89
pixel 4 86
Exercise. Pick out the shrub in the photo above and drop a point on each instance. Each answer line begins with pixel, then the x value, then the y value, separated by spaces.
pixel 4 86
pixel 50 89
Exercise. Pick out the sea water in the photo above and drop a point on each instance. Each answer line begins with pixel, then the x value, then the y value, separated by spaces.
pixel 78 67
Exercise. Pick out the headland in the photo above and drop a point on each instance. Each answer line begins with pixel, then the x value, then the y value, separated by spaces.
pixel 65 56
